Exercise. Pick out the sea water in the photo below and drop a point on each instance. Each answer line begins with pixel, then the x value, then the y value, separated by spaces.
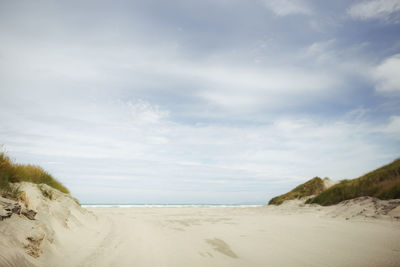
pixel 167 205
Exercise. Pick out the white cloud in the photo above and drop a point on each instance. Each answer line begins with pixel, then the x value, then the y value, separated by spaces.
pixel 69 101
pixel 288 7
pixel 387 75
pixel 123 144
pixel 393 127
pixel 221 83
pixel 376 9
pixel 322 51
pixel 235 88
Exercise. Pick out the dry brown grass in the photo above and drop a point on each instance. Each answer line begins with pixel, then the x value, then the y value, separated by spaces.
pixel 11 172
pixel 382 183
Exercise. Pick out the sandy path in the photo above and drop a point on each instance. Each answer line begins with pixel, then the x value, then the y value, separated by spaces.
pixel 236 237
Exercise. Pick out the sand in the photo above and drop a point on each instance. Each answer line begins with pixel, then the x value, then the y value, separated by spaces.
pixel 361 232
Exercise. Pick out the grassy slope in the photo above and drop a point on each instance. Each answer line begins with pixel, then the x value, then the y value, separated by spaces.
pixel 382 183
pixel 11 172
pixel 311 187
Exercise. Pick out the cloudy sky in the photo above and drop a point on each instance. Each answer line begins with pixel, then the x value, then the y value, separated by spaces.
pixel 211 101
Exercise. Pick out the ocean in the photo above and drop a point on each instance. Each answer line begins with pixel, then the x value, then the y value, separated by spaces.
pixel 167 205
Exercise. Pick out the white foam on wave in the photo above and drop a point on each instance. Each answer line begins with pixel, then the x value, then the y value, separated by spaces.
pixel 167 206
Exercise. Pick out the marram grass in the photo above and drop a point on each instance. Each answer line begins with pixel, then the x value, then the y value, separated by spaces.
pixel 311 187
pixel 382 183
pixel 11 172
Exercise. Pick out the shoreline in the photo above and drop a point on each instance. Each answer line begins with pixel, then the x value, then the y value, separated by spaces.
pixel 170 205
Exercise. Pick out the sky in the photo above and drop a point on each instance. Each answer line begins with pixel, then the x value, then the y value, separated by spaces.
pixel 213 101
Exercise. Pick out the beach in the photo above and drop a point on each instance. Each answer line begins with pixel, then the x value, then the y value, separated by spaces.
pixel 359 232
pixel 236 236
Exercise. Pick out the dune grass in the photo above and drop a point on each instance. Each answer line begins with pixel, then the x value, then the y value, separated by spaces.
pixel 382 183
pixel 312 187
pixel 11 172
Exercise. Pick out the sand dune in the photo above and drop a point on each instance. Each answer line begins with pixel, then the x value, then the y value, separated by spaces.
pixel 360 232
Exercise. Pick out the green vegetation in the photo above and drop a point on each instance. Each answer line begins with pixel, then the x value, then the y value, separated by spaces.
pixel 382 183
pixel 311 187
pixel 11 172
